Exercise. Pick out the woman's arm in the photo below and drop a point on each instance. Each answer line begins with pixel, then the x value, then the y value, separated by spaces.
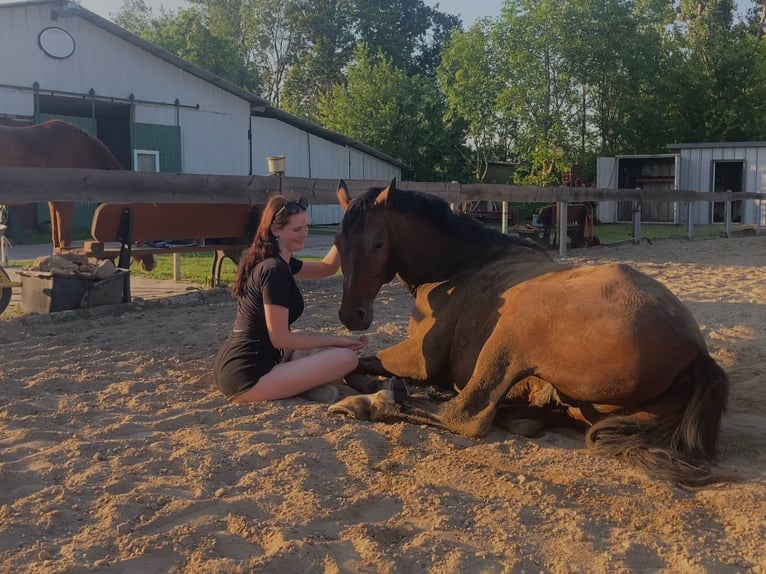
pixel 327 267
pixel 282 338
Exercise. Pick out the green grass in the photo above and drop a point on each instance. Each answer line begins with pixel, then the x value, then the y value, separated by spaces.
pixel 614 232
pixel 196 267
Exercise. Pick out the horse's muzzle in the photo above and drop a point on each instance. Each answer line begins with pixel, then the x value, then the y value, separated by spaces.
pixel 357 319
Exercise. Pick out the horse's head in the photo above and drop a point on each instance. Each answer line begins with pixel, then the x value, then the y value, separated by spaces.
pixel 367 249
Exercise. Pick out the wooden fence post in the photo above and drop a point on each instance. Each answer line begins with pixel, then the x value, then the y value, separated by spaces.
pixel 727 217
pixel 691 206
pixel 636 220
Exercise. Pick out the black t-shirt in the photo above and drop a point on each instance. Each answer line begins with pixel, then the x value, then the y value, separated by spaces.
pixel 271 282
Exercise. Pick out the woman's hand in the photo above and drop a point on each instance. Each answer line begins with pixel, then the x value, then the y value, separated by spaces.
pixel 357 344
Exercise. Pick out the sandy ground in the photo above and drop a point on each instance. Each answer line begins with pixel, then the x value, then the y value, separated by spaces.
pixel 117 454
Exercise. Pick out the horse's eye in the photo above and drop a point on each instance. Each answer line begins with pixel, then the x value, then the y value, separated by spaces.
pixel 378 245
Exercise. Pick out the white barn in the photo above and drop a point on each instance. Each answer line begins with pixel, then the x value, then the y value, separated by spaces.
pixel 703 167
pixel 155 111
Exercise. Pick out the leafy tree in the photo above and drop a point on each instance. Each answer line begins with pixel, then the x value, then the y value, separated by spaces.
pixel 187 34
pixel 540 92
pixel 718 96
pixel 471 82
pixel 325 26
pixel 392 112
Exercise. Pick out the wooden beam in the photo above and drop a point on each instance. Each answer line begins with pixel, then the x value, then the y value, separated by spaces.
pixel 30 185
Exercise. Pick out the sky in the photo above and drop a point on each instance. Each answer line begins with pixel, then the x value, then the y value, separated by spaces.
pixel 468 10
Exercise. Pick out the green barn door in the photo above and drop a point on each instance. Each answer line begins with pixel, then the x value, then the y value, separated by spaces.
pixel 83 212
pixel 156 147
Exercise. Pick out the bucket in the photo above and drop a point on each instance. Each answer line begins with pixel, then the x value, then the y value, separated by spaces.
pixel 276 164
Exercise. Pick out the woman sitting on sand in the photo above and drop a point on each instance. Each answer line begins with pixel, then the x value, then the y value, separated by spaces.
pixel 262 359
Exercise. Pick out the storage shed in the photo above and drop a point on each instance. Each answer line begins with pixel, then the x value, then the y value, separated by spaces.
pixel 703 167
pixel 155 111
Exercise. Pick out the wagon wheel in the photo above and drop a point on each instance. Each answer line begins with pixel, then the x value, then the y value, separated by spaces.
pixel 5 292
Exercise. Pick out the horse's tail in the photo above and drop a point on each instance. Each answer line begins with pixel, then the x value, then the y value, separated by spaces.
pixel 678 448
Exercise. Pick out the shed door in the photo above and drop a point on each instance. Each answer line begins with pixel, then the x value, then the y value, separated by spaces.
pixel 728 176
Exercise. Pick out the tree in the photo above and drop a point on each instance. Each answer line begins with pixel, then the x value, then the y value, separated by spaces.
pixel 187 34
pixel 471 82
pixel 719 96
pixel 325 26
pixel 394 113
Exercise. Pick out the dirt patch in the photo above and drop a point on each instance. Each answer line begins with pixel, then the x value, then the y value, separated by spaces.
pixel 118 454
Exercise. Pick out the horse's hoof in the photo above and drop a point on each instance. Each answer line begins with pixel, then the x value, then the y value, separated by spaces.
pixel 526 427
pixel 366 407
pixel 362 383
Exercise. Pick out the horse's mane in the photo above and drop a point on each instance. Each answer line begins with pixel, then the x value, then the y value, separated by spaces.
pixel 434 210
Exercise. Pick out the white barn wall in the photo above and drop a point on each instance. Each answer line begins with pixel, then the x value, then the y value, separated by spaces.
pixel 113 67
pixel 15 103
pixel 308 155
pixel 606 178
pixel 228 154
pixel 272 137
pixel 328 159
pixel 214 119
pixel 364 166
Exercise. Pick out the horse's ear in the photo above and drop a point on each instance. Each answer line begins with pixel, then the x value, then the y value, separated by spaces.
pixel 386 194
pixel 343 196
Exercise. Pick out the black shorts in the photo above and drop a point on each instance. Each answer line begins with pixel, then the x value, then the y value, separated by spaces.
pixel 241 362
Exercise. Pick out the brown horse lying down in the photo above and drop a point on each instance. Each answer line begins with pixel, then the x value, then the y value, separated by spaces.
pixel 58 144
pixel 498 321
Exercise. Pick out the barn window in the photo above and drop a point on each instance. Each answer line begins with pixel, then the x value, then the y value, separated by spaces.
pixel 146 160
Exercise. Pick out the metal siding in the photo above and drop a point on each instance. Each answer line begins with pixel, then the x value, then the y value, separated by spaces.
pixel 606 178
pixel 328 160
pixel 215 143
pixel 356 164
pixel 164 139
pixel 272 137
pixel 148 114
pixel 16 103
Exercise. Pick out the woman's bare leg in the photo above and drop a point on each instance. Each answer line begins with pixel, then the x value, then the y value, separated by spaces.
pixel 295 375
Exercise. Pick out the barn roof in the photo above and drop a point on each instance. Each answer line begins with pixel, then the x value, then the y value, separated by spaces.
pixel 258 105
pixel 718 145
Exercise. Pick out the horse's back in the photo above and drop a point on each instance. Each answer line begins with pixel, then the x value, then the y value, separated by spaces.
pixel 642 334
pixel 555 319
pixel 53 144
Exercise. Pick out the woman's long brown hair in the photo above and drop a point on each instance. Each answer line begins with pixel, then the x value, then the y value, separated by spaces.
pixel 264 243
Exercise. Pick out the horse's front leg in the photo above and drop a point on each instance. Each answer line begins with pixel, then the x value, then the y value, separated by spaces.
pixel 402 360
pixel 470 413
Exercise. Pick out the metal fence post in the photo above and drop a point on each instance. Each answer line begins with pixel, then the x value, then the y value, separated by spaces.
pixel 563 208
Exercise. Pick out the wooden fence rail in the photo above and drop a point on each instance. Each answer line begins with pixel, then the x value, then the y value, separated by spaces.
pixel 31 185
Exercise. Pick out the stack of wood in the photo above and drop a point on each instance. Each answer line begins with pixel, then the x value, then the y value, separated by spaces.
pixel 75 264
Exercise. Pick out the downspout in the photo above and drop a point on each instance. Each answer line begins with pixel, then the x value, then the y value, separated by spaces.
pixel 250 144
pixel 308 149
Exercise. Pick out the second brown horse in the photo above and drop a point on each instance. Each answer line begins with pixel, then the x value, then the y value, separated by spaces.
pixel 57 144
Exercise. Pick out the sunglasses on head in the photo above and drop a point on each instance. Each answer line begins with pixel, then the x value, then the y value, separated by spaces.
pixel 293 207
